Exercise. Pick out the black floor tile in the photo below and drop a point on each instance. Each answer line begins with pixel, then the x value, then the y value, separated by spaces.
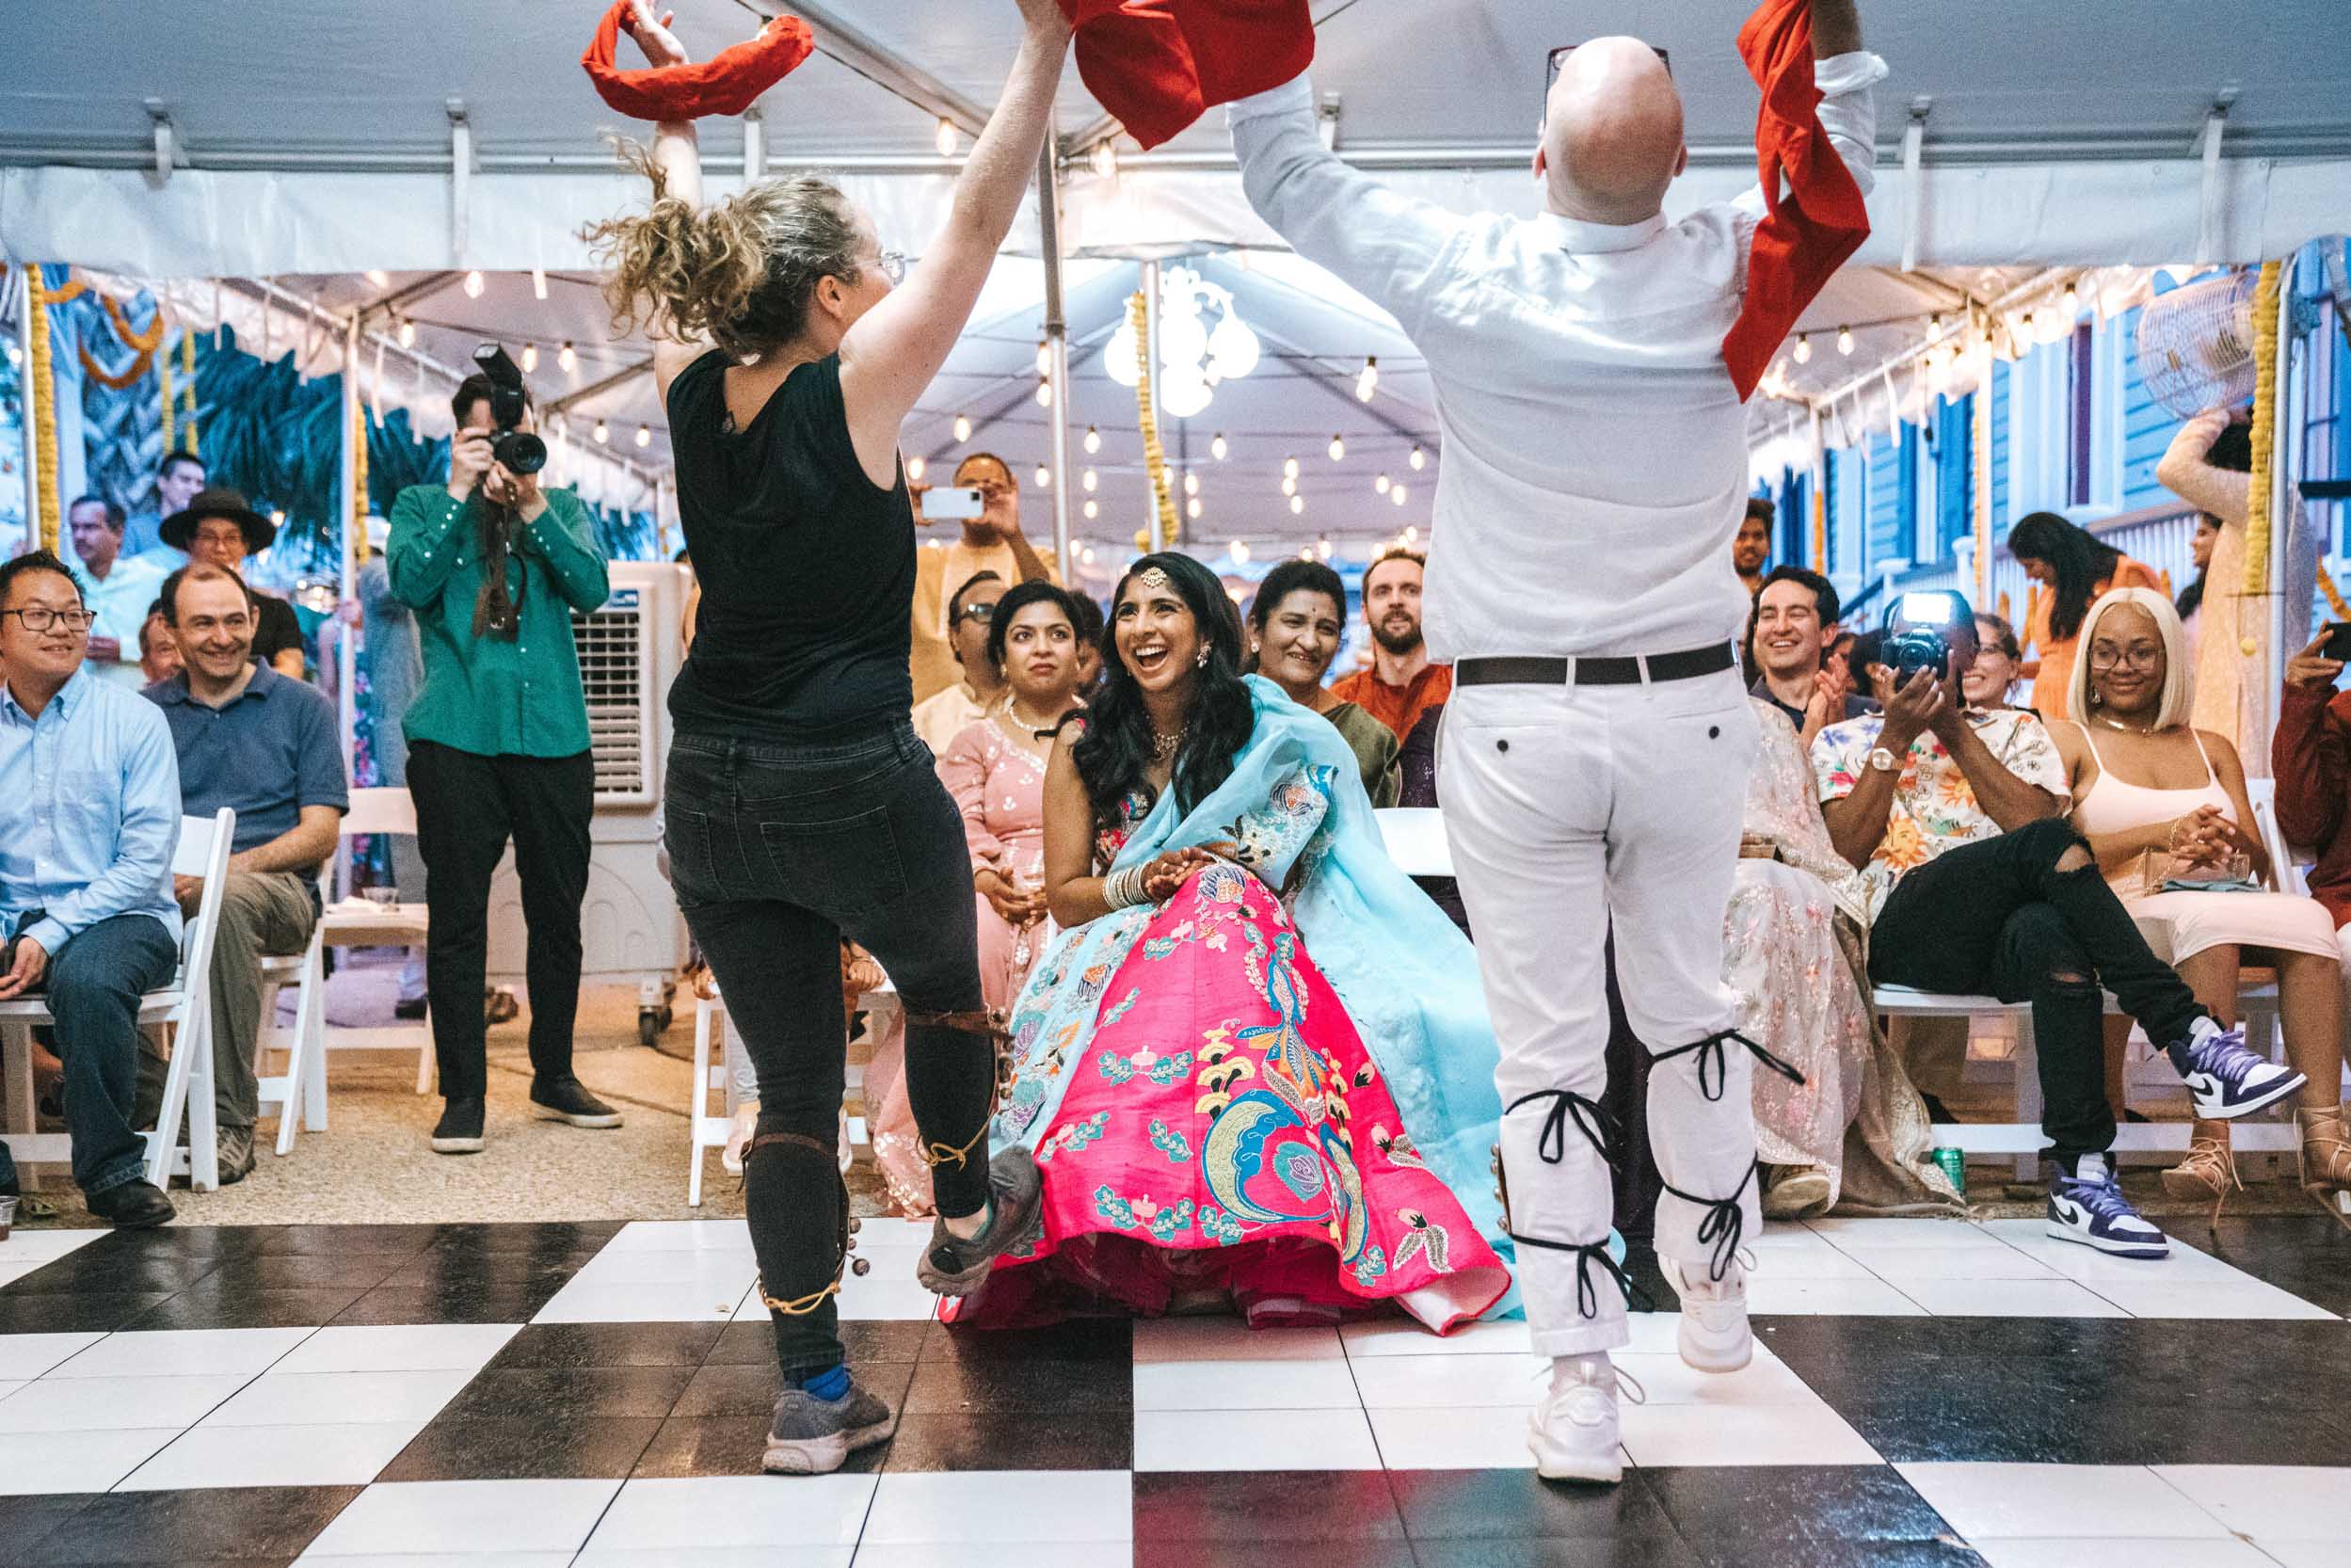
pixel 1636 1551
pixel 562 1345
pixel 215 1304
pixel 177 1240
pixel 945 1386
pixel 1729 1506
pixel 447 1271
pixel 545 1237
pixel 1948 1552
pixel 1471 1504
pixel 1266 1505
pixel 567 1396
pixel 719 1446
pixel 1100 1339
pixel 2308 1255
pixel 98 1313
pixel 26 1521
pixel 195 1525
pixel 507 1444
pixel 1294 1554
pixel 345 1240
pixel 751 1390
pixel 1000 1440
pixel 2000 1422
pixel 753 1341
pixel 305 1271
pixel 465 1302
pixel 78 1274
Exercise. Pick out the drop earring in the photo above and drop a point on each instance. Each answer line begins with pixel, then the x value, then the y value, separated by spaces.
pixel 1202 662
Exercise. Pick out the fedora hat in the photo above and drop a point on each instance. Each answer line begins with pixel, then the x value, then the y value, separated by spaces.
pixel 179 527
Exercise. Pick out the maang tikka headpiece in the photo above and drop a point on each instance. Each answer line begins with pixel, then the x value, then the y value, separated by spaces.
pixel 1153 580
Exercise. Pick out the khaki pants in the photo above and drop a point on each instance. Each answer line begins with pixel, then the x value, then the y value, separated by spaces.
pixel 262 914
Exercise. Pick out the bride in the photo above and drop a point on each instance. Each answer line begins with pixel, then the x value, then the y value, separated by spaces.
pixel 1223 1116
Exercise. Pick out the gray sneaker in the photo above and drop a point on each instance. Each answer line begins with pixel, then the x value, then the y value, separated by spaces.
pixel 812 1437
pixel 236 1147
pixel 955 1267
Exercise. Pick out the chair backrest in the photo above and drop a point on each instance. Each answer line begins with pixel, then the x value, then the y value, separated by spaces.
pixel 2285 861
pixel 203 851
pixel 380 811
pixel 1415 836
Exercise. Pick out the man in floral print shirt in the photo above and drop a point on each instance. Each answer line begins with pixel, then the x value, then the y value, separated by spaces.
pixel 1955 817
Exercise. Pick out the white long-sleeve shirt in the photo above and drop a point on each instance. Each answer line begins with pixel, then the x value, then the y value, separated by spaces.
pixel 1596 461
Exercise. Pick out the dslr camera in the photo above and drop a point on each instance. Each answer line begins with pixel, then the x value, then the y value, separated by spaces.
pixel 1920 644
pixel 520 450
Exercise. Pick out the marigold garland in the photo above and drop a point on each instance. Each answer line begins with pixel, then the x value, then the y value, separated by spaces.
pixel 188 382
pixel 166 391
pixel 42 391
pixel 1154 456
pixel 358 481
pixel 2257 511
pixel 2334 596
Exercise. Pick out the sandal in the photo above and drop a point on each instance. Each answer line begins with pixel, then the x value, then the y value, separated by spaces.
pixel 2209 1170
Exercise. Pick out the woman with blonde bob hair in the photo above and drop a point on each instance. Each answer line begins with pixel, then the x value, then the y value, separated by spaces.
pixel 800 808
pixel 2165 809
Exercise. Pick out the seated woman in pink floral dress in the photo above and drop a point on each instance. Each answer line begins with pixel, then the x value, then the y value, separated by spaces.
pixel 1222 1116
pixel 996 771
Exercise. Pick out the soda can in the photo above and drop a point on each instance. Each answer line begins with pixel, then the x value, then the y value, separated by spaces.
pixel 1954 1163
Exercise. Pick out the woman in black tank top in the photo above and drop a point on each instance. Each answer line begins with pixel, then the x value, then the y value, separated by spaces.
pixel 799 806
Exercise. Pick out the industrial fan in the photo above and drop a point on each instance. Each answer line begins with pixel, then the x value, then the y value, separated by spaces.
pixel 2196 345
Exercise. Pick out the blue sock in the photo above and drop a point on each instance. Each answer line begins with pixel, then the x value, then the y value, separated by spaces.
pixel 831 1385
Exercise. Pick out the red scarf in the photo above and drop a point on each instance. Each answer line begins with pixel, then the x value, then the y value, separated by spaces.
pixel 727 83
pixel 1808 231
pixel 1158 65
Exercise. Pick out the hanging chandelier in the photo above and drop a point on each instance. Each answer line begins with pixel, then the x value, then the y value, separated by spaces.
pixel 1194 356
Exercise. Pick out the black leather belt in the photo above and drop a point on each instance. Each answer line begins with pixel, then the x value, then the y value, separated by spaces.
pixel 1686 665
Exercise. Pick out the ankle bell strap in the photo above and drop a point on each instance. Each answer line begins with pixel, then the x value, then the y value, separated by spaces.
pixel 1588 1254
pixel 1723 1224
pixel 991 1026
pixel 1714 1050
pixel 1591 1118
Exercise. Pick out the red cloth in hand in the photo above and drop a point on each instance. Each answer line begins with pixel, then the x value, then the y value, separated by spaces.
pixel 1808 231
pixel 727 83
pixel 1158 65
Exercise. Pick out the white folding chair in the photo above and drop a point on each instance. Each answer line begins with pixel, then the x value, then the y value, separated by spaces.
pixel 709 1132
pixel 186 1004
pixel 358 923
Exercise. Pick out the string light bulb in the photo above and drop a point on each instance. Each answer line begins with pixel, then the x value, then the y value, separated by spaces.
pixel 1191 507
pixel 1289 468
pixel 1368 382
pixel 1411 533
pixel 1297 504
pixel 539 282
pixel 1380 486
pixel 567 357
pixel 379 277
pixel 1045 355
pixel 1089 481
pixel 1240 553
pixel 473 285
pixel 962 427
pixel 2072 302
pixel 530 357
pixel 1803 348
pixel 1105 161
pixel 1419 459
pixel 1934 323
pixel 644 434
pixel 407 333
pixel 1844 340
pixel 1044 394
pixel 1094 510
pixel 1324 547
pixel 603 433
pixel 1339 448
pixel 1093 441
pixel 1044 477
pixel 946 142
pixel 1396 493
pixel 915 466
pixel 1192 484
pixel 1218 447
pixel 1290 485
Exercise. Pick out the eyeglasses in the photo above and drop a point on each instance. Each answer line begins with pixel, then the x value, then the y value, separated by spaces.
pixel 39 617
pixel 2141 659
pixel 893 267
pixel 984 614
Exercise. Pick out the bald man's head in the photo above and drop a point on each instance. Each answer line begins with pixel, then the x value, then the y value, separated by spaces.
pixel 1611 133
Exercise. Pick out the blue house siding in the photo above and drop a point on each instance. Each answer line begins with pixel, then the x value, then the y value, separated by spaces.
pixel 1954 472
pixel 1887 492
pixel 2000 517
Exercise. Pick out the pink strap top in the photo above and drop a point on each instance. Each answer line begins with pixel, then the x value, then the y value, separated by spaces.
pixel 2114 806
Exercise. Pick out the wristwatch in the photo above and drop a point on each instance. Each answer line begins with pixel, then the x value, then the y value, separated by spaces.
pixel 1884 761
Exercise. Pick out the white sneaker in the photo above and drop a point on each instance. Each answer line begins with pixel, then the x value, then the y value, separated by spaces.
pixel 1572 1432
pixel 1715 1336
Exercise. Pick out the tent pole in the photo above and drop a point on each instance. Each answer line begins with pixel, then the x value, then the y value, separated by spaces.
pixel 1151 379
pixel 354 517
pixel 31 466
pixel 1056 344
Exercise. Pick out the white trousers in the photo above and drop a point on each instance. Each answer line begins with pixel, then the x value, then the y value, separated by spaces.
pixel 1572 809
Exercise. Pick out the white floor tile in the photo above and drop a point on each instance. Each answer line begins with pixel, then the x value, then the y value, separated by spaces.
pixel 891 1292
pixel 280 1399
pixel 74 1461
pixel 428 1516
pixel 1326 1385
pixel 1442 1381
pixel 11 1272
pixel 2184 1265
pixel 1159 1339
pixel 2009 1298
pixel 1829 1298
pixel 2301 1553
pixel 681 1236
pixel 1901 1265
pixel 1401 1337
pixel 1067 1506
pixel 439 1559
pixel 2274 1502
pixel 668 1556
pixel 30 1355
pixel 349 1454
pixel 2124 1552
pixel 1654 1333
pixel 398 1347
pixel 1668 1380
pixel 1742 1435
pixel 719 1513
pixel 2209 1301
pixel 1253 1440
pixel 725 1272
pixel 1939 1234
pixel 46 1246
pixel 9 1388
pixel 184 1352
pixel 1987 1502
pixel 115 1404
pixel 1817 1261
pixel 1468 1439
pixel 884 1233
pixel 997 1554
pixel 586 1301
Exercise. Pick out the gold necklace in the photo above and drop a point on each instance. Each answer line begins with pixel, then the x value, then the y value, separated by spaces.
pixel 2118 723
pixel 1164 746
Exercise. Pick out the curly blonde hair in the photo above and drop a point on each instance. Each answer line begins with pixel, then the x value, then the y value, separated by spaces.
pixel 739 273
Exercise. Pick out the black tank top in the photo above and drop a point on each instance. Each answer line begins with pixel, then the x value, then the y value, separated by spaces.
pixel 807 566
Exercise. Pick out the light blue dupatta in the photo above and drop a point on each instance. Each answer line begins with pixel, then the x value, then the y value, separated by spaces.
pixel 1407 978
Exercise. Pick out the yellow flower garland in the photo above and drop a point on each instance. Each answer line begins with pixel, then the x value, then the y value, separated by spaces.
pixel 188 380
pixel 163 385
pixel 2257 511
pixel 1154 456
pixel 358 481
pixel 41 396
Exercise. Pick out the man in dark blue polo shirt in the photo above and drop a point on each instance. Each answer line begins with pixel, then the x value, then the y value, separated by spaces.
pixel 266 747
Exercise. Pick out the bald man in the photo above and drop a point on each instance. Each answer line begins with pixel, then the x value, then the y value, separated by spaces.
pixel 1597 747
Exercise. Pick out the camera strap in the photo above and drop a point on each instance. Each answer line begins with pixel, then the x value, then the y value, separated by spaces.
pixel 495 613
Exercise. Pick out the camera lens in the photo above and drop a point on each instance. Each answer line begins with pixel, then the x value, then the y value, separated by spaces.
pixel 521 452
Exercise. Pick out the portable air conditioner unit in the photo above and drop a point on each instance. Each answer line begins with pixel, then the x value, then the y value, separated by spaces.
pixel 630 928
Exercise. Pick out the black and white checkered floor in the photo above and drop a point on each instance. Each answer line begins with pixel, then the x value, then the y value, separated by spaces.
pixel 537 1396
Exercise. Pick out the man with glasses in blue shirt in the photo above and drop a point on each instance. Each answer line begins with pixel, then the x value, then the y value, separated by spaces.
pixel 89 814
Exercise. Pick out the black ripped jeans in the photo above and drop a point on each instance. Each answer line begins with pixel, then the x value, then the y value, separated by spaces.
pixel 1998 918
pixel 777 853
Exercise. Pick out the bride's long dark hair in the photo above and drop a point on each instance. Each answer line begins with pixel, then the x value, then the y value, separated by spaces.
pixel 1116 747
